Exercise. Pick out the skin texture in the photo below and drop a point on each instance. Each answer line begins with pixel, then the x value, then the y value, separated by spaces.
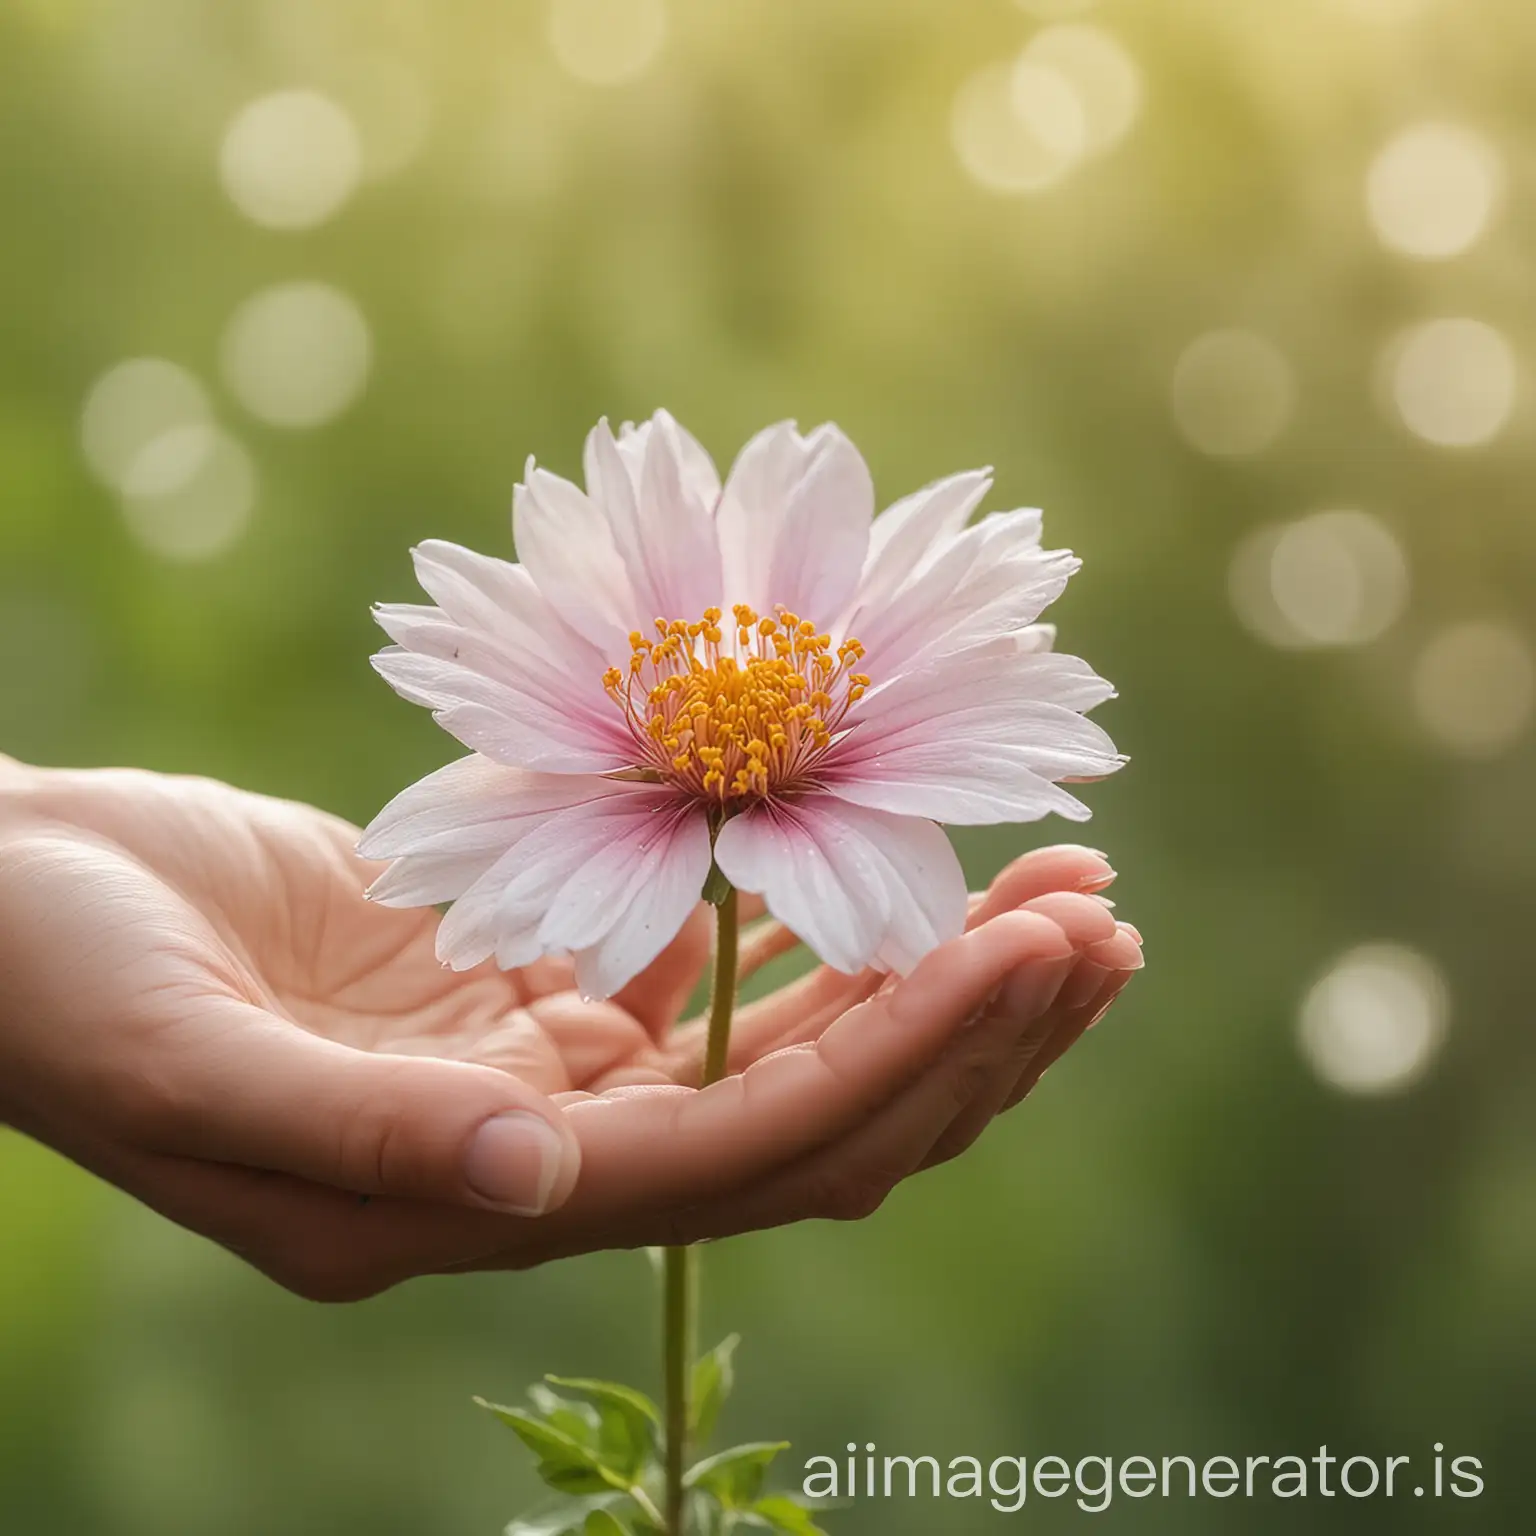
pixel 198 1004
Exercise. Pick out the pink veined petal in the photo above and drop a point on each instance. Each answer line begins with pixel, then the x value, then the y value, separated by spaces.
pixel 567 546
pixel 503 912
pixel 662 891
pixel 860 887
pixel 445 832
pixel 474 806
pixel 794 522
pixel 908 534
pixel 663 529
pixel 494 719
pixel 494 624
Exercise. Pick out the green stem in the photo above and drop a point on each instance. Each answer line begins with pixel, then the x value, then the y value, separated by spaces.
pixel 680 1270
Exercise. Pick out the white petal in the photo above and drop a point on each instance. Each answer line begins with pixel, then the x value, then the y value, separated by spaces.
pixel 505 723
pixel 700 476
pixel 840 908
pixel 858 886
pixel 914 530
pixel 663 529
pixel 794 522
pixel 474 806
pixel 995 783
pixel 993 579
pixel 567 546
pixel 663 890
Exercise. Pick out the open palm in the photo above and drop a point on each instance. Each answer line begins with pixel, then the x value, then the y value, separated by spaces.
pixel 197 1002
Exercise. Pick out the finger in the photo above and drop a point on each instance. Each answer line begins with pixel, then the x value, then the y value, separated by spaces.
pixel 1073 1027
pixel 1065 867
pixel 798 1012
pixel 1085 994
pixel 657 1145
pixel 764 943
pixel 660 992
pixel 850 1180
pixel 232 1083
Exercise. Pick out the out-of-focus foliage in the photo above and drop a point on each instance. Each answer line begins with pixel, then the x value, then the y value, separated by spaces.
pixel 1183 280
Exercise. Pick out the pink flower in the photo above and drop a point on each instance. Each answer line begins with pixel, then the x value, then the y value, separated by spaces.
pixel 764 671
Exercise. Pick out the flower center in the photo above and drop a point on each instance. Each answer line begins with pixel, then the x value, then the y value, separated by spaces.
pixel 736 713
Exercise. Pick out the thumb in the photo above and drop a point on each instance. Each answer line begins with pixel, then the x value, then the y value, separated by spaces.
pixel 236 1084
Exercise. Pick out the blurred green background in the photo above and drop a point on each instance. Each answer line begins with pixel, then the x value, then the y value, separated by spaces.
pixel 1240 292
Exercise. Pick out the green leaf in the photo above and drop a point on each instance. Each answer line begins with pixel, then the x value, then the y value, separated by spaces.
pixel 783 1514
pixel 735 1477
pixel 712 1381
pixel 564 1519
pixel 601 1523
pixel 581 1421
pixel 564 1462
pixel 629 1422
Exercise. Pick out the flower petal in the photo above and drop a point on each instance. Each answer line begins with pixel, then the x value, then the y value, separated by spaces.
pixel 794 522
pixel 992 579
pixel 567 545
pixel 907 535
pixel 610 872
pixel 494 625
pixel 504 723
pixel 858 887
pixel 663 526
pixel 662 891
pixel 997 784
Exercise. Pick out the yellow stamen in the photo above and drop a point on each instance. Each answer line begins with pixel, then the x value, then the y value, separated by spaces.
pixel 728 714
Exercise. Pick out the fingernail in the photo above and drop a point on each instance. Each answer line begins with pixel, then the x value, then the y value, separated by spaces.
pixel 513 1162
pixel 1032 988
pixel 1091 883
pixel 1103 901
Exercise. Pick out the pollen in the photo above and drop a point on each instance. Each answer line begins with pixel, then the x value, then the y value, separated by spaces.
pixel 736 711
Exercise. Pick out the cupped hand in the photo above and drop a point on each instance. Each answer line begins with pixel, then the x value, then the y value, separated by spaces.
pixel 198 1004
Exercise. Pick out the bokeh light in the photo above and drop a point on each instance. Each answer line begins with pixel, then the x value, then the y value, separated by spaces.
pixel 1453 381
pixel 193 496
pixel 1375 1020
pixel 1474 686
pixel 607 42
pixel 1019 129
pixel 1330 579
pixel 291 159
pixel 1102 74
pixel 1233 393
pixel 1433 190
pixel 297 355
pixel 132 405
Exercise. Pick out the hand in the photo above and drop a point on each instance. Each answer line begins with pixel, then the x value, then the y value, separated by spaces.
pixel 197 1003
